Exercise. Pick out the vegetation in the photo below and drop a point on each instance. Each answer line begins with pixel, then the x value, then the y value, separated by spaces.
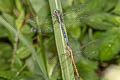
pixel 29 50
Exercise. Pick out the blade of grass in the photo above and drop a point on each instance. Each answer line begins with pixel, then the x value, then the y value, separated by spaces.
pixel 27 44
pixel 66 65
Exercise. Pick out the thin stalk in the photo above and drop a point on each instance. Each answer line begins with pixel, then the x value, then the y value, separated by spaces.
pixel 41 53
pixel 14 51
pixel 23 67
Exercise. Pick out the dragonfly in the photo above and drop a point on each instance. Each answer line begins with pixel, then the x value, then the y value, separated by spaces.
pixel 59 20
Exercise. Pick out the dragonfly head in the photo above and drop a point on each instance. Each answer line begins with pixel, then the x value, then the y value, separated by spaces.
pixel 56 12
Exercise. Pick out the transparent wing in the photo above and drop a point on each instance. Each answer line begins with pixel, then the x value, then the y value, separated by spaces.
pixel 69 21
pixel 79 51
pixel 39 25
pixel 45 26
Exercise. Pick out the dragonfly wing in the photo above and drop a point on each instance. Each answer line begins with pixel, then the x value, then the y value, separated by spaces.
pixel 44 29
pixel 40 24
pixel 79 51
pixel 39 20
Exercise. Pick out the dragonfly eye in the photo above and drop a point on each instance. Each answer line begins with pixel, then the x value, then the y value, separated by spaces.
pixel 55 11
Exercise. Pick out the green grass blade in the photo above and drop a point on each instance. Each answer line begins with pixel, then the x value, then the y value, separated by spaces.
pixel 65 62
pixel 27 44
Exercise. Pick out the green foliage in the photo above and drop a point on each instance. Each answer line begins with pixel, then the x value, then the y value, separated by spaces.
pixel 109 46
pixel 6 6
pixel 93 31
pixel 5 50
pixel 8 75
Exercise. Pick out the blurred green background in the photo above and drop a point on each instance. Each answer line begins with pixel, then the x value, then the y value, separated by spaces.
pixel 93 31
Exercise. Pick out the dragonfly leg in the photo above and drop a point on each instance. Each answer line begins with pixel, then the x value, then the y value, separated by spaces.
pixel 65 54
pixel 55 22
